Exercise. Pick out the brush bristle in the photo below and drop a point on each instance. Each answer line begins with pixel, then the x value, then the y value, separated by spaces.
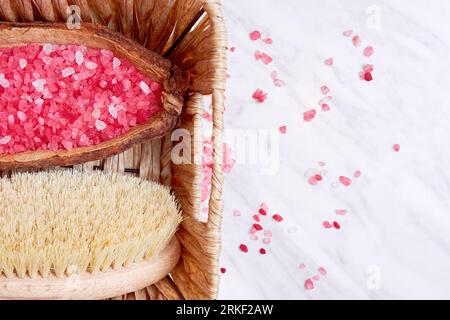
pixel 61 221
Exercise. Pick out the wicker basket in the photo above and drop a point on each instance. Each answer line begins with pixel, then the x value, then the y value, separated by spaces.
pixel 191 33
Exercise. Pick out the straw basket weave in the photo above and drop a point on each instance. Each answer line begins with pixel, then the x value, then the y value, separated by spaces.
pixel 191 33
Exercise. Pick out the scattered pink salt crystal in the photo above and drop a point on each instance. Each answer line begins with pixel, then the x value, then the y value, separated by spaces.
pixel 356 40
pixel 265 58
pixel 324 89
pixel 5 140
pixel 368 51
pixel 283 129
pixel 345 181
pixel 258 55
pixel 264 206
pixel 396 147
pixel 357 174
pixel 327 225
pixel 341 212
pixel 347 33
pixel 322 271
pixel 262 251
pixel 302 266
pixel 232 49
pixel 316 277
pixel 277 218
pixel 309 285
pixel 309 115
pixel 325 107
pixel 336 225
pixel 268 40
pixel 255 35
pixel 329 61
pixel 256 218
pixel 259 96
pixel 223 270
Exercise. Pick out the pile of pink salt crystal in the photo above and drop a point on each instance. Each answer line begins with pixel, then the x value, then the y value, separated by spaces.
pixel 55 97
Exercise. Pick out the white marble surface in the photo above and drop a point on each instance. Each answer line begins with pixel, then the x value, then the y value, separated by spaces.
pixel 397 230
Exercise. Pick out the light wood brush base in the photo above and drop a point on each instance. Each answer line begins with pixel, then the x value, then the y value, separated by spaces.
pixel 101 285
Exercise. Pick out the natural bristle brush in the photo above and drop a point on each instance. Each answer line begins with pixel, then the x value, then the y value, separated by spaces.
pixel 77 235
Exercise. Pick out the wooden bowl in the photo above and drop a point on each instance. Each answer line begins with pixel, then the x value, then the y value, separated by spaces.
pixel 150 64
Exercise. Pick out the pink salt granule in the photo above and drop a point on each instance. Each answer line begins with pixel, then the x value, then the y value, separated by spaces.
pixel 356 40
pixel 282 129
pixel 60 97
pixel 368 51
pixel 309 285
pixel 345 181
pixel 396 147
pixel 259 96
pixel 309 115
pixel 255 35
pixel 329 62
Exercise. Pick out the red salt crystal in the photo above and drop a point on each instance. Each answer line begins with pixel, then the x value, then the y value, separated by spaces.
pixel 309 285
pixel 329 61
pixel 262 251
pixel 356 40
pixel 368 76
pixel 318 177
pixel 232 49
pixel 282 129
pixel 243 248
pixel 277 218
pixel 347 33
pixel 324 89
pixel 255 35
pixel 396 147
pixel 322 271
pixel 341 212
pixel 256 218
pixel 336 225
pixel 259 96
pixel 264 206
pixel 258 55
pixel 257 227
pixel 268 40
pixel 312 180
pixel 325 107
pixel 357 174
pixel 309 115
pixel 223 270
pixel 262 211
pixel 345 181
pixel 316 277
pixel 266 59
pixel 368 51
pixel 327 225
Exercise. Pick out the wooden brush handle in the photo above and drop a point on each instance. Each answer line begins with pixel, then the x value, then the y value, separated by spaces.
pixel 101 285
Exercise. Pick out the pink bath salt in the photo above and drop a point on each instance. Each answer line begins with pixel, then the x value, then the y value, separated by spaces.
pixel 266 241
pixel 356 40
pixel 329 62
pixel 282 129
pixel 396 147
pixel 257 227
pixel 258 55
pixel 325 107
pixel 252 230
pixel 277 217
pixel 357 174
pixel 309 115
pixel 368 51
pixel 264 207
pixel 255 35
pixel 266 59
pixel 345 181
pixel 309 285
pixel 262 251
pixel 347 33
pixel 336 225
pixel 327 225
pixel 324 89
pixel 268 40
pixel 314 179
pixel 207 116
pixel 232 49
pixel 68 96
pixel 368 76
pixel 243 248
pixel 223 270
pixel 340 212
pixel 256 218
pixel 302 266
pixel 259 96
pixel 322 271
pixel 316 277
pixel 237 213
